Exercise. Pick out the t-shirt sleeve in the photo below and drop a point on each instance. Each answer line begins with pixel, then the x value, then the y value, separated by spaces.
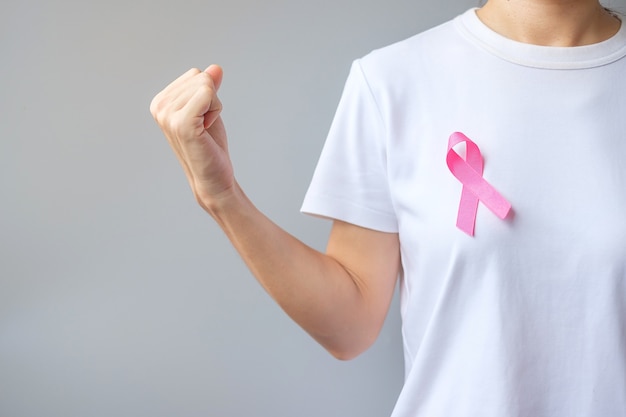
pixel 350 181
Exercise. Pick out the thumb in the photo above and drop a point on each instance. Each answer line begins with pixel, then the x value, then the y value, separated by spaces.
pixel 216 73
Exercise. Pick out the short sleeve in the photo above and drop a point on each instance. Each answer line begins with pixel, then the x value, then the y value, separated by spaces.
pixel 350 181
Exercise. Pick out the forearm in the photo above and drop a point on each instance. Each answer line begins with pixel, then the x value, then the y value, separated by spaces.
pixel 340 298
pixel 313 288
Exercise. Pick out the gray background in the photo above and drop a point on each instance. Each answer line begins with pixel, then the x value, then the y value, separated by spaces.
pixel 118 295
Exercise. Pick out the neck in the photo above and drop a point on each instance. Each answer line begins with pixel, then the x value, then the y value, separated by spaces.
pixel 550 22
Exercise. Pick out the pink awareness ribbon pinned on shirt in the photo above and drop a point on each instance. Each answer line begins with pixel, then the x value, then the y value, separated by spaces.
pixel 469 172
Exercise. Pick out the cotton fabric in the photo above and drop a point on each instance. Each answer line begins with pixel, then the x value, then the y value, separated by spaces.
pixel 527 318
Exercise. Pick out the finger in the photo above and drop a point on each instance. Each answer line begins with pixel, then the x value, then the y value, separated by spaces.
pixel 204 104
pixel 218 133
pixel 217 73
pixel 173 95
pixel 180 96
pixel 180 81
pixel 214 112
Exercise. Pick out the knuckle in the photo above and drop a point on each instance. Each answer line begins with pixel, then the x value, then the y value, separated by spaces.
pixel 158 113
pixel 217 105
pixel 193 71
pixel 205 79
pixel 155 106
pixel 205 90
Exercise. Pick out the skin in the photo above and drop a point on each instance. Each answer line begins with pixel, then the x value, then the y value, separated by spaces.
pixel 340 297
pixel 550 22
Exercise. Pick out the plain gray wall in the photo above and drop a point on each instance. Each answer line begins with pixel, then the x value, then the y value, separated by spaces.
pixel 118 295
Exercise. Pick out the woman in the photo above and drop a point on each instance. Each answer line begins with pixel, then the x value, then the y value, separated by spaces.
pixel 482 162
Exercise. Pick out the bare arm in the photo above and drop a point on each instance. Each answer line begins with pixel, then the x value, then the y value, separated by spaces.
pixel 341 297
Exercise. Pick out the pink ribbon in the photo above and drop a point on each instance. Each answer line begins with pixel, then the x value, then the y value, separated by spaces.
pixel 469 172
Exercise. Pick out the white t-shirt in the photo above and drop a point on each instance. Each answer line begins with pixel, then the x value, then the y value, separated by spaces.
pixel 527 318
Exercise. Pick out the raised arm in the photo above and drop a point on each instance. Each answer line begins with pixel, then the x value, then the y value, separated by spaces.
pixel 341 297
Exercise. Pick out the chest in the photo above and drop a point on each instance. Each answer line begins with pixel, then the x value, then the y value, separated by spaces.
pixel 553 146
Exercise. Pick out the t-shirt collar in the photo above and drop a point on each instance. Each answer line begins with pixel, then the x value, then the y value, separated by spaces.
pixel 549 57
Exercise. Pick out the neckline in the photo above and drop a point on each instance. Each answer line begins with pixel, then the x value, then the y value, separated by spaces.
pixel 547 57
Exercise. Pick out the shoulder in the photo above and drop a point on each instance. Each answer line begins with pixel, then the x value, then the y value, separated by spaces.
pixel 415 51
pixel 391 73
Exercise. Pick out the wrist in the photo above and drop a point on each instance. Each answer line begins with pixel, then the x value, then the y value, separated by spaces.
pixel 223 202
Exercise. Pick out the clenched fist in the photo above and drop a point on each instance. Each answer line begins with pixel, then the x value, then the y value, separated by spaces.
pixel 188 113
